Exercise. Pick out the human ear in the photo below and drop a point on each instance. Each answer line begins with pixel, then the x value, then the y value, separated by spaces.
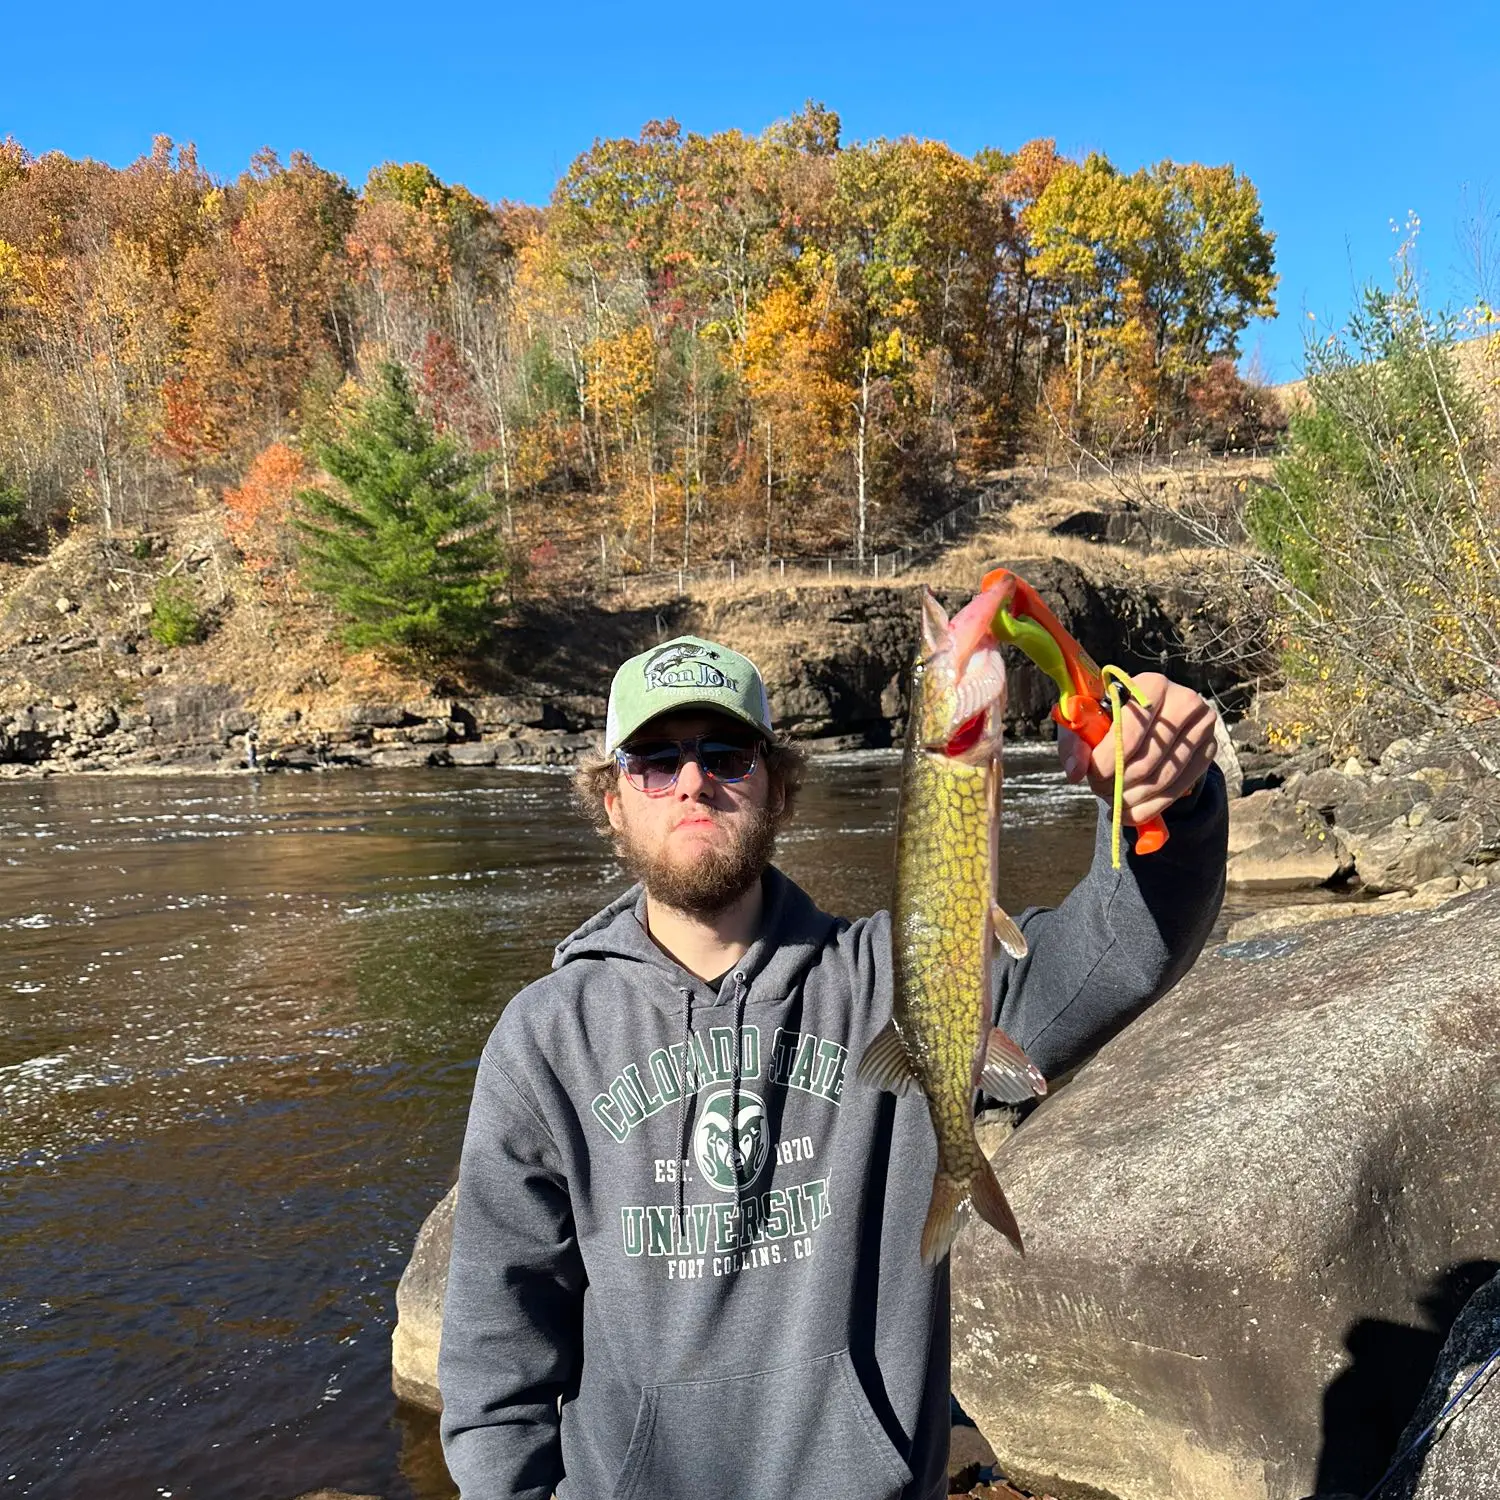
pixel 612 807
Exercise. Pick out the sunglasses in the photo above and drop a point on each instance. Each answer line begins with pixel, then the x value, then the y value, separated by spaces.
pixel 652 766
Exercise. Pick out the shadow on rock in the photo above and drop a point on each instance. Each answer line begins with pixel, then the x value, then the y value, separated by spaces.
pixel 1366 1408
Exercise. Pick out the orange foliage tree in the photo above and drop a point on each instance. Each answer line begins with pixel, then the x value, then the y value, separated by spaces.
pixel 258 511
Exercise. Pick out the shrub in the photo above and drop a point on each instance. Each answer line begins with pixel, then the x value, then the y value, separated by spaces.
pixel 176 619
pixel 1380 535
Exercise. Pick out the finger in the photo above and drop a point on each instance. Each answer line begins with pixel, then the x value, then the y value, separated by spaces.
pixel 1144 739
pixel 1137 727
pixel 1177 748
pixel 1168 742
pixel 1073 754
pixel 1179 712
pixel 1143 804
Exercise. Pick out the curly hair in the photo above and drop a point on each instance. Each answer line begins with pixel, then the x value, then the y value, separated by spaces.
pixel 785 763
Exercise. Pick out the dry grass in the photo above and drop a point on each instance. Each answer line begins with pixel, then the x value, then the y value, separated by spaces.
pixel 279 652
pixel 1021 534
pixel 1013 547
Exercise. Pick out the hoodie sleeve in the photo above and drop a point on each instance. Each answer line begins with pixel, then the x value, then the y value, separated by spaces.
pixel 1121 939
pixel 512 1315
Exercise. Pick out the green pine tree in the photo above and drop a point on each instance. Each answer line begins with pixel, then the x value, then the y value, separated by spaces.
pixel 409 553
pixel 15 532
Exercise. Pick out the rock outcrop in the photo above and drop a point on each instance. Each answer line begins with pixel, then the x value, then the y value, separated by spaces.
pixel 1277 844
pixel 419 1310
pixel 1292 1145
pixel 834 657
pixel 1397 827
pixel 1460 1458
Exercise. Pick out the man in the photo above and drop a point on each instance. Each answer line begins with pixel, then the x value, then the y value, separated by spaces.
pixel 685 1253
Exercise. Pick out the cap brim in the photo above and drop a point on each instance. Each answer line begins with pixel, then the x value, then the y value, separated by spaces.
pixel 689 706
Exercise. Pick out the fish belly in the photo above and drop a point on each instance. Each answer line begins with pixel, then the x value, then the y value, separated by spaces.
pixel 942 1003
pixel 944 886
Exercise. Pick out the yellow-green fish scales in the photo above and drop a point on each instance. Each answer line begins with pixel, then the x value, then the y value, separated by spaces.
pixel 945 880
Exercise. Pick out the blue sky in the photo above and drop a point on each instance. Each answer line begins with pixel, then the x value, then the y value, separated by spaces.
pixel 1346 118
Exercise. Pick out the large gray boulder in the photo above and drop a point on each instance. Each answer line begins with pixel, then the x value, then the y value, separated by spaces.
pixel 1294 1143
pixel 1277 845
pixel 1460 1459
pixel 419 1310
pixel 1413 850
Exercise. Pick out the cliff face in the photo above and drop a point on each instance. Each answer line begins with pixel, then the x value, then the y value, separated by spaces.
pixel 835 659
pixel 94 693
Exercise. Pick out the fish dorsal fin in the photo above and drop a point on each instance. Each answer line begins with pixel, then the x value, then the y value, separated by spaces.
pixel 934 624
pixel 1007 934
pixel 886 1063
pixel 1006 1072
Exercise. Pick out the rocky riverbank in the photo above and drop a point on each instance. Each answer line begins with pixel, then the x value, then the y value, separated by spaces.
pixel 834 657
pixel 1415 823
pixel 1404 831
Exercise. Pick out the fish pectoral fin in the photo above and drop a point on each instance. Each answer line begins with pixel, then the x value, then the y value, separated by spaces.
pixel 1007 934
pixel 1007 1073
pixel 886 1062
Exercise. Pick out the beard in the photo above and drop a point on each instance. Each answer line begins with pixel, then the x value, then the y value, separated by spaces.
pixel 715 878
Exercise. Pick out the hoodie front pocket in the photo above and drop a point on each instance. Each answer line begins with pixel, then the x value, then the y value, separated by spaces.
pixel 775 1435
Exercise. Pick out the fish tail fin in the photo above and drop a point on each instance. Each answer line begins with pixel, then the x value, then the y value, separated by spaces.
pixel 991 1206
pixel 951 1197
pixel 945 1216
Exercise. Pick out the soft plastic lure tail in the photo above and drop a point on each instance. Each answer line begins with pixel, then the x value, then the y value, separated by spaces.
pixel 1083 689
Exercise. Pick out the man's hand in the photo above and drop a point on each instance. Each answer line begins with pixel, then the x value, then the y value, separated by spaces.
pixel 1168 747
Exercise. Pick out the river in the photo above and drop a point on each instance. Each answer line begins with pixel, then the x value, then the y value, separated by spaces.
pixel 239 1019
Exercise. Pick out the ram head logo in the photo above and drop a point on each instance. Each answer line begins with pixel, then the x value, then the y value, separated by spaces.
pixel 717 1138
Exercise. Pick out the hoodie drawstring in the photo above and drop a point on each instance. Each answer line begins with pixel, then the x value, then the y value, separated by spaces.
pixel 682 1114
pixel 736 1156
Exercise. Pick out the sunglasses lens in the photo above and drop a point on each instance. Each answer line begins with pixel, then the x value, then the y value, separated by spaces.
pixel 653 767
pixel 725 761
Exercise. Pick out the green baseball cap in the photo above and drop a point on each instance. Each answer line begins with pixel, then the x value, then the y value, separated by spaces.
pixel 687 672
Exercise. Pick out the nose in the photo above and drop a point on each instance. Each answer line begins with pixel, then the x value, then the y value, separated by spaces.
pixel 692 784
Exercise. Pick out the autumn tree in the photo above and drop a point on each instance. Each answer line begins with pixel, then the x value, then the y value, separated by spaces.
pixel 703 346
pixel 1379 538
pixel 1154 275
pixel 88 265
pixel 267 312
pixel 259 511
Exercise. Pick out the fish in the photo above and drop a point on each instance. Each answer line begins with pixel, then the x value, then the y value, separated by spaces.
pixel 946 921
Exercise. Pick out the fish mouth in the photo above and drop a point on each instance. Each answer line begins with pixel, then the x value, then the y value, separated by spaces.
pixel 964 700
pixel 981 683
pixel 965 737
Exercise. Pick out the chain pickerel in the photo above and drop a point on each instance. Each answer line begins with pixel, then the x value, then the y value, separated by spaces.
pixel 946 920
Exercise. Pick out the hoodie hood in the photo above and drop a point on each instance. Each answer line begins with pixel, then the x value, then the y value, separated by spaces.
pixel 793 936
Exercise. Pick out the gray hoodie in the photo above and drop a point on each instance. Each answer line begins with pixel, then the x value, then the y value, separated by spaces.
pixel 632 1310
